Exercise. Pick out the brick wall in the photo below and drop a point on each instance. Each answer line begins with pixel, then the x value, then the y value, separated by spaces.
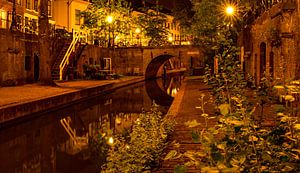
pixel 285 54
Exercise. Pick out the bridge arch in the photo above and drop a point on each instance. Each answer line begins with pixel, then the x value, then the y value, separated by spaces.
pixel 155 64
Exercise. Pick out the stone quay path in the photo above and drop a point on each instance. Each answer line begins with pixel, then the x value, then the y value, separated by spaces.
pixel 183 110
pixel 19 101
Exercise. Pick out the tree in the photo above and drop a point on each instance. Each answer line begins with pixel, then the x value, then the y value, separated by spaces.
pixel 45 58
pixel 152 23
pixel 183 13
pixel 96 14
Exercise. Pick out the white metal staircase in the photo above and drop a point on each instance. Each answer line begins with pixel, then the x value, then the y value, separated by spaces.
pixel 65 61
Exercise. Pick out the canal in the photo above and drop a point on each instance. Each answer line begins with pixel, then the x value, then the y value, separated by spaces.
pixel 57 141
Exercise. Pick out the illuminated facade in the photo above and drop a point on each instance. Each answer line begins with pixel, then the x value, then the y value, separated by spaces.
pixel 65 14
pixel 26 14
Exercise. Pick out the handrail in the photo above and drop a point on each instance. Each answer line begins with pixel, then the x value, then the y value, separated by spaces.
pixel 65 60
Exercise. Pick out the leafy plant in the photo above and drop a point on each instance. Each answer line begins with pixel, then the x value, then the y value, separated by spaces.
pixel 143 151
pixel 152 23
pixel 98 147
pixel 95 17
pixel 238 143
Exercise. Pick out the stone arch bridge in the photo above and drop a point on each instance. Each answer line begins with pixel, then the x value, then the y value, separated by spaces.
pixel 146 61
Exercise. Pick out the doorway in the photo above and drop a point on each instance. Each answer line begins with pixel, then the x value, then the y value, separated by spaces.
pixel 263 59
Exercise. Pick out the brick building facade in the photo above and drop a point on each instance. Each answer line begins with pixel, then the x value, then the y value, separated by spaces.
pixel 271 43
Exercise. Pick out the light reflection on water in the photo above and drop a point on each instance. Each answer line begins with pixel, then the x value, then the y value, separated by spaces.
pixel 57 141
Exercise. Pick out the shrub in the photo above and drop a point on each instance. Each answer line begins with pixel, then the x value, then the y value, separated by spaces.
pixel 143 151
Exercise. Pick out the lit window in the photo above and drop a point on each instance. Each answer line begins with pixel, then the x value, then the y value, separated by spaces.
pixel 50 8
pixel 34 24
pixel 35 5
pixel 19 22
pixel 28 4
pixel 19 2
pixel 2 19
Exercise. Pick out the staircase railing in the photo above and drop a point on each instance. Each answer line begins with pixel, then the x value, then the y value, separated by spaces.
pixel 65 60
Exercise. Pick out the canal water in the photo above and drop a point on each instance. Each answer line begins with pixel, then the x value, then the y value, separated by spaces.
pixel 57 141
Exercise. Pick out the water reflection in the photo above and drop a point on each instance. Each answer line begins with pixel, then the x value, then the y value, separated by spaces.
pixel 163 90
pixel 57 141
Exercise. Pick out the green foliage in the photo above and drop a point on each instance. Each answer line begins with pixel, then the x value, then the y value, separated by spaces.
pixel 96 14
pixel 229 82
pixel 142 152
pixel 183 13
pixel 180 169
pixel 152 24
pixel 99 147
pixel 238 143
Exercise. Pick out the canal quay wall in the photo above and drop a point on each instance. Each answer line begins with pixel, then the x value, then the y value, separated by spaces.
pixel 67 93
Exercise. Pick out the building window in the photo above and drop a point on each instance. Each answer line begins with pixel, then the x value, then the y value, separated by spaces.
pixel 19 22
pixel 27 63
pixel 28 4
pixel 77 17
pixel 2 19
pixel 50 8
pixel 34 24
pixel 35 5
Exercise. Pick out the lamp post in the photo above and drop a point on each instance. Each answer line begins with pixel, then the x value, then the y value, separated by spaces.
pixel 109 20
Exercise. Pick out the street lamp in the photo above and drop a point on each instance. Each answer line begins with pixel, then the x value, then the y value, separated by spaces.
pixel 170 39
pixel 138 31
pixel 230 10
pixel 109 20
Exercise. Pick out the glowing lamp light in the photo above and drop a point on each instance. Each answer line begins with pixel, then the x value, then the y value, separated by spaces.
pixel 170 39
pixel 118 120
pixel 230 10
pixel 109 19
pixel 111 140
pixel 137 30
